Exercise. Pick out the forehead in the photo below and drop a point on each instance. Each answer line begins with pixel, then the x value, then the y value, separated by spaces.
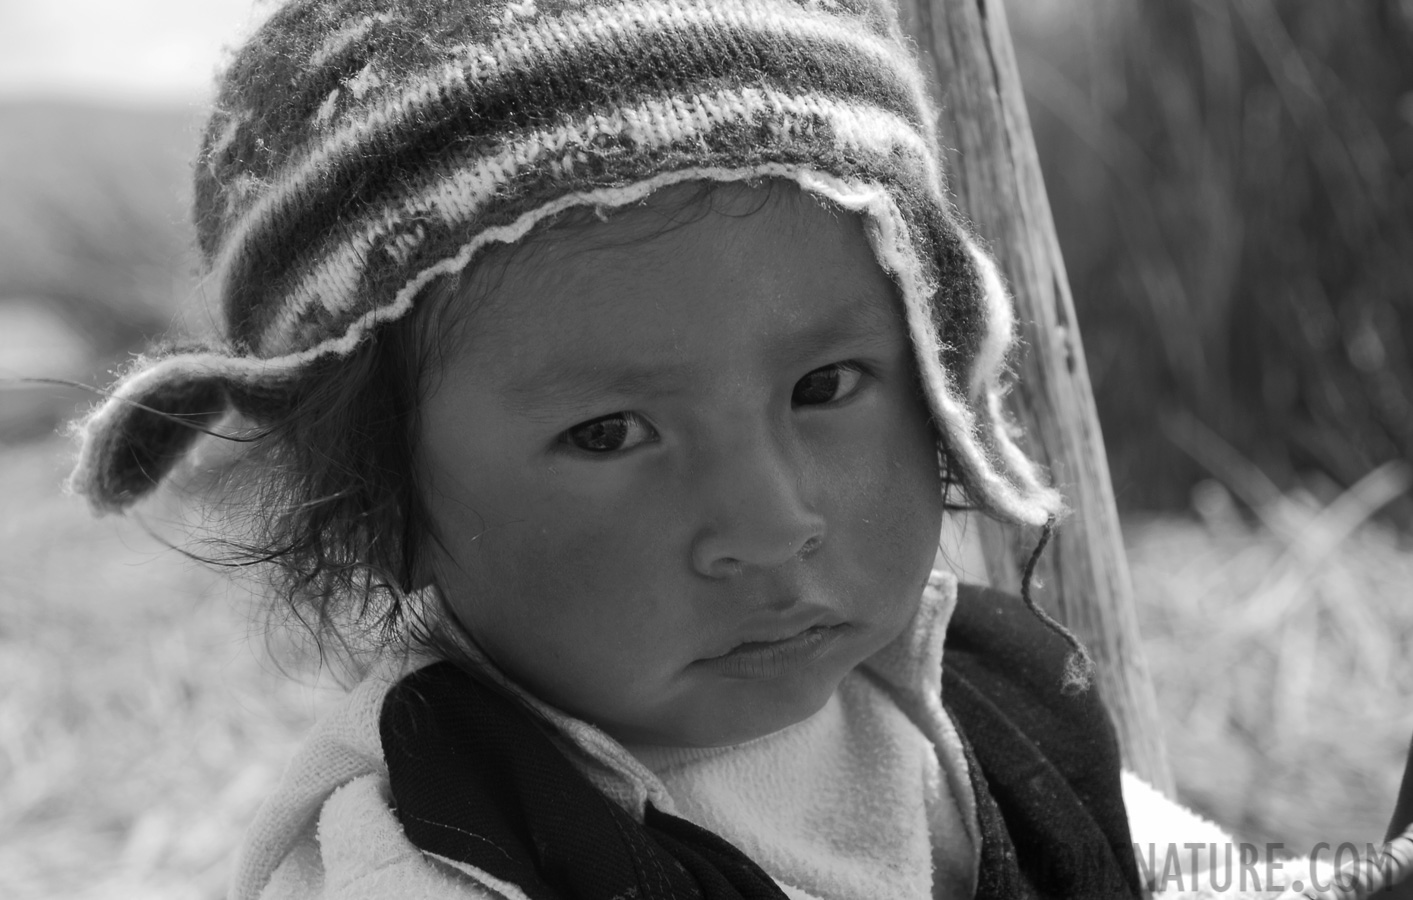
pixel 744 266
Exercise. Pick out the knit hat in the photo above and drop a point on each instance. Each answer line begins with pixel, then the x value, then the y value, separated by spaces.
pixel 361 149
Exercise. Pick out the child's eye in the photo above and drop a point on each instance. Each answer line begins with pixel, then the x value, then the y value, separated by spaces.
pixel 610 433
pixel 826 384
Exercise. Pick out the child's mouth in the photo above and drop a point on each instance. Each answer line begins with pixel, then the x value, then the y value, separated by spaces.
pixel 772 659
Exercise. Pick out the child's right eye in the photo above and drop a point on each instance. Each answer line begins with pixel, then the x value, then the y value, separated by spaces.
pixel 609 434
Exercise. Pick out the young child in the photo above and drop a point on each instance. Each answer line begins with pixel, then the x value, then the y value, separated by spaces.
pixel 607 366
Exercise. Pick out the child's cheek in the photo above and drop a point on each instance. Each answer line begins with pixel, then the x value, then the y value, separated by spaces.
pixel 597 561
pixel 574 593
pixel 889 504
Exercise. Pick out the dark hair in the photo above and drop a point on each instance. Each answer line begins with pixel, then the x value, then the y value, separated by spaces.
pixel 321 500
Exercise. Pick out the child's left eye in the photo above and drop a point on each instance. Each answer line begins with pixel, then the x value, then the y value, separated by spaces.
pixel 826 384
pixel 609 434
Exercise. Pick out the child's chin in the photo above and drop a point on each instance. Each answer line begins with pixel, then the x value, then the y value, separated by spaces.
pixel 746 715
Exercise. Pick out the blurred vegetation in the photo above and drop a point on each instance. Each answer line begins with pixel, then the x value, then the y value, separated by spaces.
pixel 140 728
pixel 1279 651
pixel 1232 181
pixel 94 235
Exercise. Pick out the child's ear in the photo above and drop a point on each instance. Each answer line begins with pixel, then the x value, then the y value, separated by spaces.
pixel 420 532
pixel 422 575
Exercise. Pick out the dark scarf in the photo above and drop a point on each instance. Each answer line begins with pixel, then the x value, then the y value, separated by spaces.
pixel 476 779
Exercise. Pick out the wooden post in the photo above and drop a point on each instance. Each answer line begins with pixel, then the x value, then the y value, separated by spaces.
pixel 965 47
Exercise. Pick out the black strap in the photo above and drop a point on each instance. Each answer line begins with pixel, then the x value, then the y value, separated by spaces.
pixel 1049 763
pixel 998 875
pixel 475 778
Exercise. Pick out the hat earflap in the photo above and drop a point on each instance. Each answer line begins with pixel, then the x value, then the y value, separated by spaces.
pixel 149 422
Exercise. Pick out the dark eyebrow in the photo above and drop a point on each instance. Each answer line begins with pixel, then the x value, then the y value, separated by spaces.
pixel 870 323
pixel 561 383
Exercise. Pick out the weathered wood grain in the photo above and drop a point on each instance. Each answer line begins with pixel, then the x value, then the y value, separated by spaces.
pixel 965 47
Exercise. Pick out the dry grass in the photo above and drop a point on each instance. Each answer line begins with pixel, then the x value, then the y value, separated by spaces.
pixel 139 727
pixel 1280 653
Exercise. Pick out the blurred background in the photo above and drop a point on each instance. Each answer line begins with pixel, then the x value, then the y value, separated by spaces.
pixel 1232 181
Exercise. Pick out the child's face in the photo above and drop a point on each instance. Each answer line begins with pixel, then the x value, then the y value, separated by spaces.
pixel 684 479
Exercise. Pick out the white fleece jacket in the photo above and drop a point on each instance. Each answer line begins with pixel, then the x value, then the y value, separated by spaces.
pixel 868 798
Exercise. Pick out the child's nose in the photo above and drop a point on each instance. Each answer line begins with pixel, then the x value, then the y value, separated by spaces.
pixel 757 512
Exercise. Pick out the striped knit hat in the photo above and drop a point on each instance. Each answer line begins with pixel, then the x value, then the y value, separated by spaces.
pixel 361 149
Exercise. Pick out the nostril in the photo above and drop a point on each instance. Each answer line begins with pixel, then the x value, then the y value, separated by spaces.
pixel 809 546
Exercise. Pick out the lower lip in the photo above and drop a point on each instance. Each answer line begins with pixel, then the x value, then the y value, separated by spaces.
pixel 773 659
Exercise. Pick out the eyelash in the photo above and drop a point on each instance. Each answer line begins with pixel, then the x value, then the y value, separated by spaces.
pixel 847 367
pixel 617 427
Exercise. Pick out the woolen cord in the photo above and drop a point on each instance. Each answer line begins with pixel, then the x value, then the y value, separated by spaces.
pixel 360 150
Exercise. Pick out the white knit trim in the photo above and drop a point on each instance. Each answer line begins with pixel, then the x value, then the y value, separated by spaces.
pixel 366 79
pixel 991 359
pixel 1000 316
pixel 560 35
pixel 339 40
pixel 456 198
pixel 234 122
pixel 509 234
pixel 522 10
pixel 240 190
pixel 326 109
pixel 1048 501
